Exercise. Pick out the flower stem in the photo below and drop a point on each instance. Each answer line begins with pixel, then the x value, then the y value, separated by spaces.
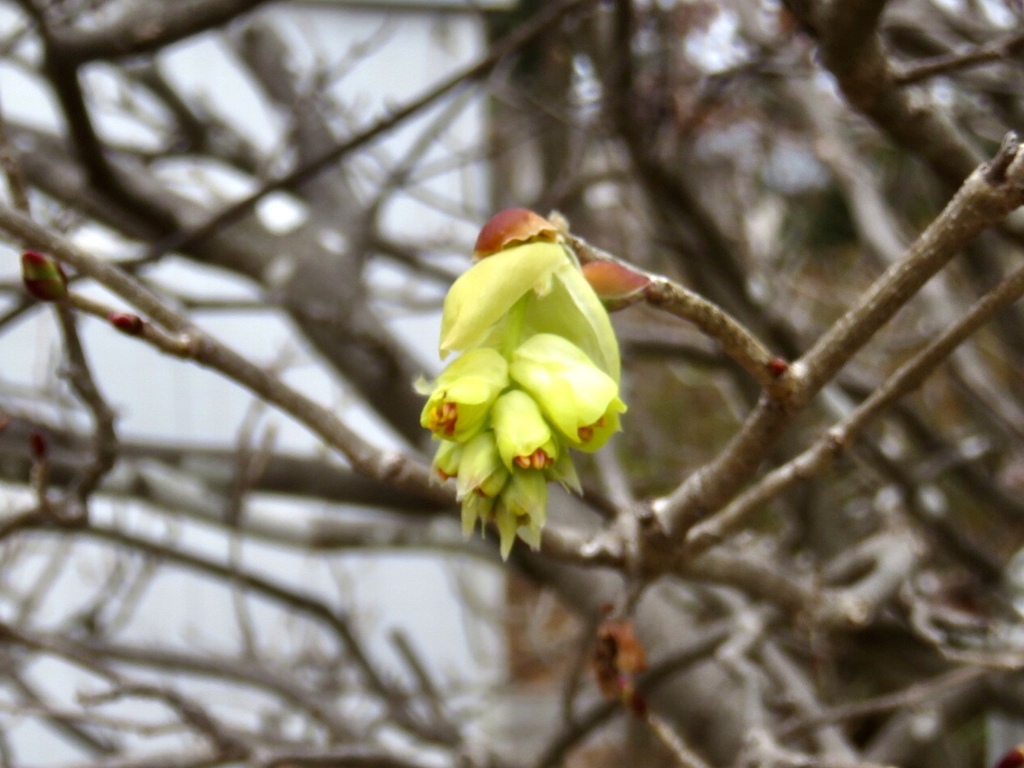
pixel 514 328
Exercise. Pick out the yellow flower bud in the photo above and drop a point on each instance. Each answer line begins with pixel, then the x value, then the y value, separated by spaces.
pixel 463 394
pixel 523 436
pixel 581 400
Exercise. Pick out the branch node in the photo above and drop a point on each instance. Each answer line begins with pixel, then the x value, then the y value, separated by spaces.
pixel 836 441
pixel 127 323
pixel 777 366
pixel 995 172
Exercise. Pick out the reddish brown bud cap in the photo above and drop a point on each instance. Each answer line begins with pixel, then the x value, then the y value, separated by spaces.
pixel 512 227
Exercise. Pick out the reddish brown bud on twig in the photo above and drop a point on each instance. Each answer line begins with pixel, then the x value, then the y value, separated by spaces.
pixel 613 281
pixel 43 277
pixel 126 322
pixel 777 366
pixel 38 446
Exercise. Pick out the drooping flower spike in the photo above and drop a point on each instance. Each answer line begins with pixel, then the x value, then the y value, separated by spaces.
pixel 538 376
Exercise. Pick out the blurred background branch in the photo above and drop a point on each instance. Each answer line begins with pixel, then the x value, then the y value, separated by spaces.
pixel 804 548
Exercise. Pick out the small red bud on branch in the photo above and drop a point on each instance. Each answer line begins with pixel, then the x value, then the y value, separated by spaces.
pixel 777 366
pixel 44 279
pixel 613 281
pixel 127 323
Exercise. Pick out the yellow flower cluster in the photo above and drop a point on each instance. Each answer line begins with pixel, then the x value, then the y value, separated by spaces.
pixel 538 375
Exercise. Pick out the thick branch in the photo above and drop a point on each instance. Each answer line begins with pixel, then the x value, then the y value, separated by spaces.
pixel 852 50
pixel 819 457
pixel 208 352
pixel 980 203
pixel 146 27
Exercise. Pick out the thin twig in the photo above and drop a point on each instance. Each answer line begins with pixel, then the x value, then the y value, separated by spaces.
pixel 104 441
pixel 12 172
pixel 908 698
pixel 524 34
pixel 587 722
pixel 979 204
pixel 820 456
pixel 398 469
pixel 998 50
pixel 684 754
pixel 736 341
pixel 332 619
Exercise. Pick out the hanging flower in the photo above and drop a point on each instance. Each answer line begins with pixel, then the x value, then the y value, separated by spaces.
pixel 447 459
pixel 515 501
pixel 522 509
pixel 481 470
pixel 580 399
pixel 482 477
pixel 477 506
pixel 523 436
pixel 538 374
pixel 463 394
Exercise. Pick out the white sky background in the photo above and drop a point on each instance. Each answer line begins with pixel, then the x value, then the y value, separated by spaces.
pixel 164 398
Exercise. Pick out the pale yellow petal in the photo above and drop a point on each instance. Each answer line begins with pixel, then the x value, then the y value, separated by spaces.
pixel 488 289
